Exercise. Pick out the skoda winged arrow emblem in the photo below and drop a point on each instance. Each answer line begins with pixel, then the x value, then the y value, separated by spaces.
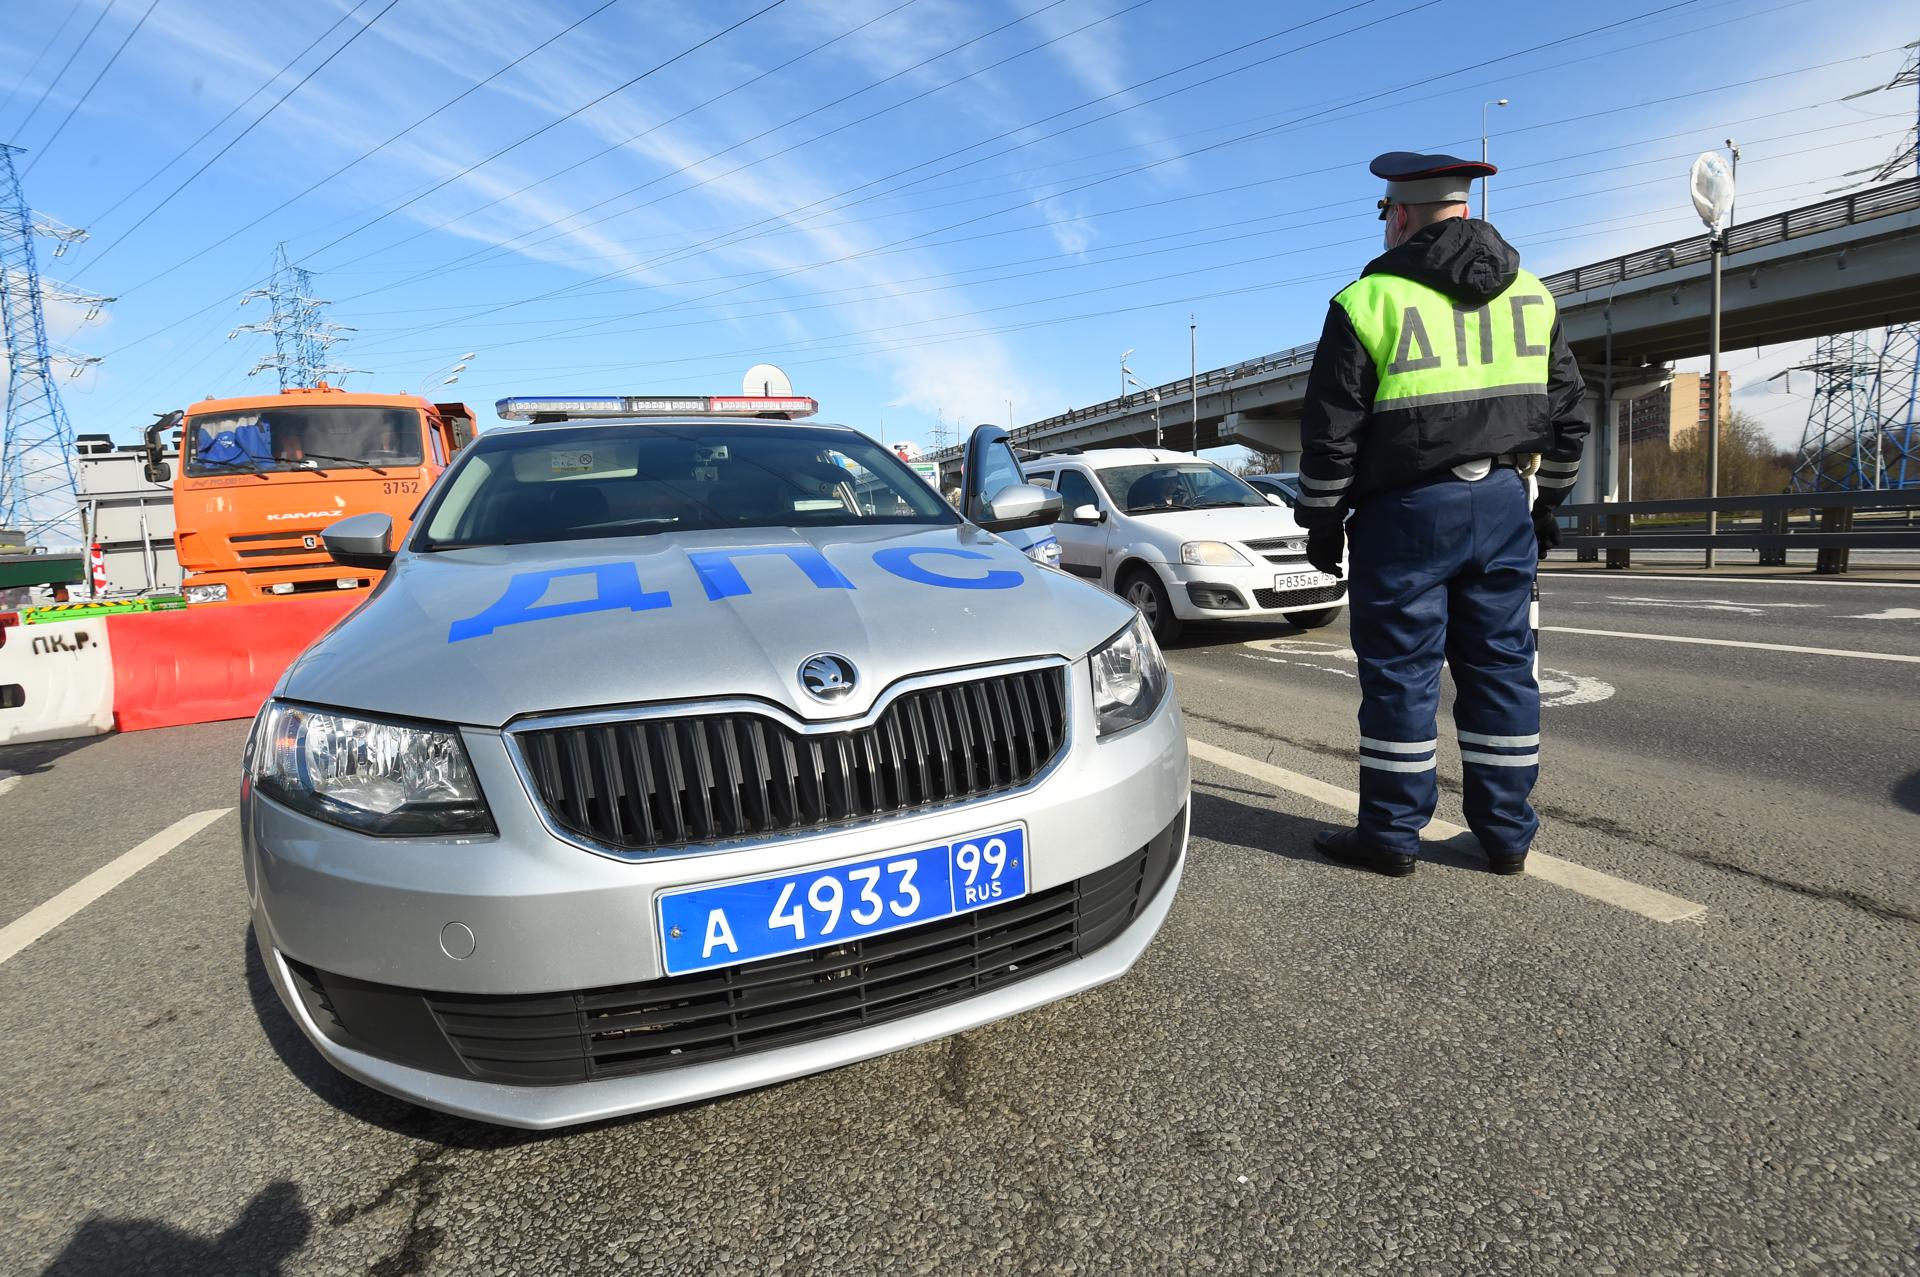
pixel 828 677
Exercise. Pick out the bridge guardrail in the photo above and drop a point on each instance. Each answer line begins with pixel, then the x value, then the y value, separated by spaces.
pixel 1830 526
pixel 1845 210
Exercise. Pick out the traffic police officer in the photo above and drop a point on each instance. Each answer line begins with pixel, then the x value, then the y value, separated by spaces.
pixel 1440 377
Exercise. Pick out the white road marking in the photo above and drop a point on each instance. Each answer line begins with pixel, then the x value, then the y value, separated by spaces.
pixel 1710 642
pixel 8 780
pixel 1891 614
pixel 1691 605
pixel 1645 901
pixel 1620 578
pixel 42 918
pixel 1557 687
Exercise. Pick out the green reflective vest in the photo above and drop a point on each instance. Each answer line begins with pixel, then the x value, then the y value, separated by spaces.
pixel 1429 349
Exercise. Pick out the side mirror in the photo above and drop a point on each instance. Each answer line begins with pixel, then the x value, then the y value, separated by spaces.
pixel 1274 498
pixel 1021 505
pixel 1087 514
pixel 157 472
pixel 363 541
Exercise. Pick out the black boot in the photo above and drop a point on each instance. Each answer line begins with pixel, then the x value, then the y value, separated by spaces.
pixel 1504 865
pixel 1349 848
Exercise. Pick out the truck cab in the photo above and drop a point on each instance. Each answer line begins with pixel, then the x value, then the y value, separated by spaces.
pixel 260 477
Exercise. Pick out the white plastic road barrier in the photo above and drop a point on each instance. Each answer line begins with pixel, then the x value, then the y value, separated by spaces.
pixel 56 681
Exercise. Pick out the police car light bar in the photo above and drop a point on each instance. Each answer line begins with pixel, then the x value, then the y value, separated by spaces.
pixel 580 407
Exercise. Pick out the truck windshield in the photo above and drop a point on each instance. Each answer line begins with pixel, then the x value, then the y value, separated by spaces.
pixel 1180 485
pixel 637 479
pixel 302 438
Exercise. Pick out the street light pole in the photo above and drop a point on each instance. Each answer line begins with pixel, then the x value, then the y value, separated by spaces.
pixel 1486 183
pixel 1193 364
pixel 1124 371
pixel 1713 395
pixel 1734 148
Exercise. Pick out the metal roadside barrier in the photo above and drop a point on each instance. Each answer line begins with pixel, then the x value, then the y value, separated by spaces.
pixel 1831 523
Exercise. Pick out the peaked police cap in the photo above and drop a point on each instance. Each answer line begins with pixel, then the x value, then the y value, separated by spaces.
pixel 1413 178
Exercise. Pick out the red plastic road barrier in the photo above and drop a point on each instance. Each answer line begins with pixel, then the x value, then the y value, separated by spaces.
pixel 204 664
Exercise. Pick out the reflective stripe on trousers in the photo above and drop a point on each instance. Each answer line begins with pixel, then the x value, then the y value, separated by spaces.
pixel 1441 571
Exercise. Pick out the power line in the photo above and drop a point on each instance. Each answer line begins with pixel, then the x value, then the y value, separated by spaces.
pixel 1142 281
pixel 713 241
pixel 82 100
pixel 871 347
pixel 725 31
pixel 73 11
pixel 223 300
pixel 235 110
pixel 41 101
pixel 789 123
pixel 1256 134
pixel 628 141
pixel 957 276
pixel 1191 195
pixel 1324 112
pixel 235 140
pixel 475 259
pixel 723 240
pixel 366 155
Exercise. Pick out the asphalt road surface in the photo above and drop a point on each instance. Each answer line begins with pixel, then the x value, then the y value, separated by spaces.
pixel 1313 1070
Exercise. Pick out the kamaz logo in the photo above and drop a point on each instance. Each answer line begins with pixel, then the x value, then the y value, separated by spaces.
pixel 310 514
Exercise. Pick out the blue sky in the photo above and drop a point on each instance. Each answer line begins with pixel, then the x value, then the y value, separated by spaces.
pixel 936 208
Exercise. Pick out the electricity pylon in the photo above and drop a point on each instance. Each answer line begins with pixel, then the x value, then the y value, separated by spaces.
pixel 36 441
pixel 300 337
pixel 1896 399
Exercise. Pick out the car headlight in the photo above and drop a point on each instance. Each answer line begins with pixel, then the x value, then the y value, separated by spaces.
pixel 375 776
pixel 1046 553
pixel 206 593
pixel 1212 554
pixel 1129 678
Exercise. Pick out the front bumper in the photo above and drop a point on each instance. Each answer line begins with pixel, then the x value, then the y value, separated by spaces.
pixel 541 914
pixel 1230 593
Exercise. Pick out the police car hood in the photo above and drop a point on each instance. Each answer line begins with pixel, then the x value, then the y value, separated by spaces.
pixel 1463 257
pixel 485 635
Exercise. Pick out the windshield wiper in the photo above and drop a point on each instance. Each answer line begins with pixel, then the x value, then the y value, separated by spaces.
pixel 1219 505
pixel 359 462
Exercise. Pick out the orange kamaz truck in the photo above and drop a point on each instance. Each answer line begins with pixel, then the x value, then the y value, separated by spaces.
pixel 261 476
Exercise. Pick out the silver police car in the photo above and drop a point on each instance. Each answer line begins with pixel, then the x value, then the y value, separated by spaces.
pixel 681 754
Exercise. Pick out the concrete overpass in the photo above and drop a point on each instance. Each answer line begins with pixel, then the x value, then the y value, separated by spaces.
pixel 1841 265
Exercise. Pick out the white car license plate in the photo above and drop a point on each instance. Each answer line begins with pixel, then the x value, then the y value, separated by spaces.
pixel 1298 581
pixel 727 923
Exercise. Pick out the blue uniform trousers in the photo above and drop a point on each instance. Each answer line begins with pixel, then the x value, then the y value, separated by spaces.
pixel 1444 568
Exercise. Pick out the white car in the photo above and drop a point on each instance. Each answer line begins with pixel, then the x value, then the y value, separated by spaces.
pixel 1183 540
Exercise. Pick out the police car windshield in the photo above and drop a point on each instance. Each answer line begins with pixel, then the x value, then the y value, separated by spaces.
pixel 304 438
pixel 1175 485
pixel 639 479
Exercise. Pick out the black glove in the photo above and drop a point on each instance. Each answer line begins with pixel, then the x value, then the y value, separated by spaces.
pixel 1545 529
pixel 1326 542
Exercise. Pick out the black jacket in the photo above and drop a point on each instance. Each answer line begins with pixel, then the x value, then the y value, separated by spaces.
pixel 1342 437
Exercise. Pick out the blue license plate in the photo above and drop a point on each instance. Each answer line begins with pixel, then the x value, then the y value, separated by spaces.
pixel 718 926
